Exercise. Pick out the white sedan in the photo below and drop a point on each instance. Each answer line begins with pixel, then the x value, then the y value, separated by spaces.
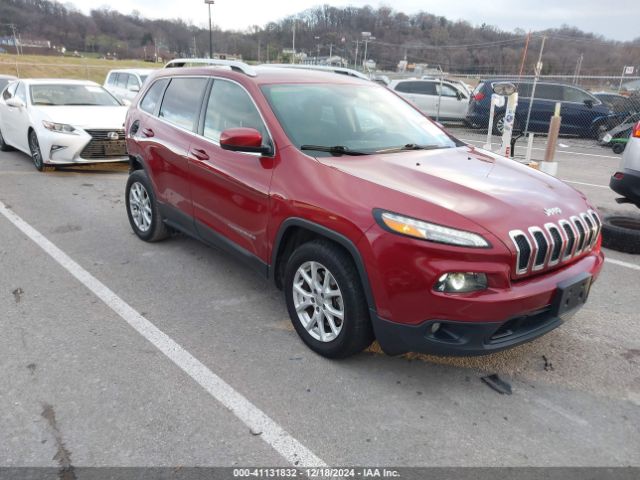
pixel 62 122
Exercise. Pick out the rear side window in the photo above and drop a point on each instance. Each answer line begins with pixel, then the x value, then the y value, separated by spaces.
pixel 182 101
pixel 549 92
pixel 113 77
pixel 153 96
pixel 230 106
pixel 404 87
pixel 424 88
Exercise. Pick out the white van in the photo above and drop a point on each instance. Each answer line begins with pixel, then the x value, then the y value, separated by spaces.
pixel 125 84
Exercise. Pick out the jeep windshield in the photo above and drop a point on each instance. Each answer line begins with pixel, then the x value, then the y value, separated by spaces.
pixel 337 119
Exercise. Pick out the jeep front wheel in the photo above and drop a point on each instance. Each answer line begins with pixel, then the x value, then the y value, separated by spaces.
pixel 325 300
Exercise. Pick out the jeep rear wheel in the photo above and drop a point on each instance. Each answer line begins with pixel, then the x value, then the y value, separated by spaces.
pixel 142 208
pixel 325 300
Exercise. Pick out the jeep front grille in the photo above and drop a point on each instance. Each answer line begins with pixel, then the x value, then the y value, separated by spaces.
pixel 538 248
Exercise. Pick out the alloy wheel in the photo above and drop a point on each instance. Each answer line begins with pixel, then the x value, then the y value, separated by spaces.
pixel 318 301
pixel 140 206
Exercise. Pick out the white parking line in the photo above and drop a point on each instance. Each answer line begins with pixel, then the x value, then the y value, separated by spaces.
pixel 620 263
pixel 564 152
pixel 254 418
pixel 583 183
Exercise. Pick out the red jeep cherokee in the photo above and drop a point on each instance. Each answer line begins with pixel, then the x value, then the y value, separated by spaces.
pixel 375 222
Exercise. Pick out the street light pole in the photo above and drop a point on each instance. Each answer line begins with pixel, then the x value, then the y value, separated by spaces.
pixel 209 3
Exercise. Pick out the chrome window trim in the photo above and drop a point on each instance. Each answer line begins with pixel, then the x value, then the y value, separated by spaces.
pixel 513 234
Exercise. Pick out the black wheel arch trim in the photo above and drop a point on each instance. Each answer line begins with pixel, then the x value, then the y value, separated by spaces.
pixel 331 235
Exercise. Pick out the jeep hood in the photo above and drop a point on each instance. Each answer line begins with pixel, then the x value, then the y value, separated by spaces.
pixel 487 189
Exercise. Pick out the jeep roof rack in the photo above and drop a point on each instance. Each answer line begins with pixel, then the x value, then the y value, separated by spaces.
pixel 193 62
pixel 323 68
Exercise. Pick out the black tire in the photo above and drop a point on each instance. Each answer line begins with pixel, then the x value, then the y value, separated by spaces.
pixel 621 233
pixel 356 332
pixel 4 146
pixel 498 120
pixel 618 148
pixel 36 153
pixel 157 230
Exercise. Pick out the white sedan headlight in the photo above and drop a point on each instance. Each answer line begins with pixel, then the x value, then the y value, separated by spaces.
pixel 59 127
pixel 429 231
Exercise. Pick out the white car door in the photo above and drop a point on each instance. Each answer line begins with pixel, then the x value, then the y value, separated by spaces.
pixel 424 96
pixel 453 104
pixel 20 121
pixel 6 113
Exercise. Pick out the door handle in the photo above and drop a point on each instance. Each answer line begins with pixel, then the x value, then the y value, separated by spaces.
pixel 199 154
pixel 147 132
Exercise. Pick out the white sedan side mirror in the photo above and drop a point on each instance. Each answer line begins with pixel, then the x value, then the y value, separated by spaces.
pixel 15 102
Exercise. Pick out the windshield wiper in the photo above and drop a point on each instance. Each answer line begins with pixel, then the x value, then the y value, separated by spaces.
pixel 410 146
pixel 336 149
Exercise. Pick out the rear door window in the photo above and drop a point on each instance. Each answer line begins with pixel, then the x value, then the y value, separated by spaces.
pixel 425 88
pixel 182 101
pixel 548 91
pixel 153 96
pixel 404 87
pixel 113 77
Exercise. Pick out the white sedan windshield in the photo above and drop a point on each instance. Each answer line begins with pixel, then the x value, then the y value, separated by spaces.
pixel 69 95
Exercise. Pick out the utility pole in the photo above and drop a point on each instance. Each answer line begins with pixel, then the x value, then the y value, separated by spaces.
pixel 317 49
pixel 209 3
pixel 538 70
pixel 259 51
pixel 355 62
pixel 576 73
pixel 330 50
pixel 293 55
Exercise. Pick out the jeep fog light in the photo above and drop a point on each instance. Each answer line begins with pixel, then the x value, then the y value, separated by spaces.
pixel 458 282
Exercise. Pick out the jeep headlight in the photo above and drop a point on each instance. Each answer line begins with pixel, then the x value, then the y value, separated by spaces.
pixel 432 232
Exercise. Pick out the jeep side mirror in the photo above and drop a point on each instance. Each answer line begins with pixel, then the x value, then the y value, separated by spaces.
pixel 247 140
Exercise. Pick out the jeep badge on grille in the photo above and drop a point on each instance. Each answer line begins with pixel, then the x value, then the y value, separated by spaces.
pixel 552 211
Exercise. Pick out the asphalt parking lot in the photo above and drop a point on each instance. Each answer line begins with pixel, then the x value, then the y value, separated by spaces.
pixel 116 352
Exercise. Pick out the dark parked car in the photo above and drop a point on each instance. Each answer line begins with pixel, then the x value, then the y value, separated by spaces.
pixel 619 103
pixel 582 113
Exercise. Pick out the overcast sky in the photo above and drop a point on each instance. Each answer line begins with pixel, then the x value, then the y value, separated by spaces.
pixel 618 20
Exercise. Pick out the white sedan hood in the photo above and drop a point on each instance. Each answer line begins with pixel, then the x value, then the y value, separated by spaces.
pixel 86 116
